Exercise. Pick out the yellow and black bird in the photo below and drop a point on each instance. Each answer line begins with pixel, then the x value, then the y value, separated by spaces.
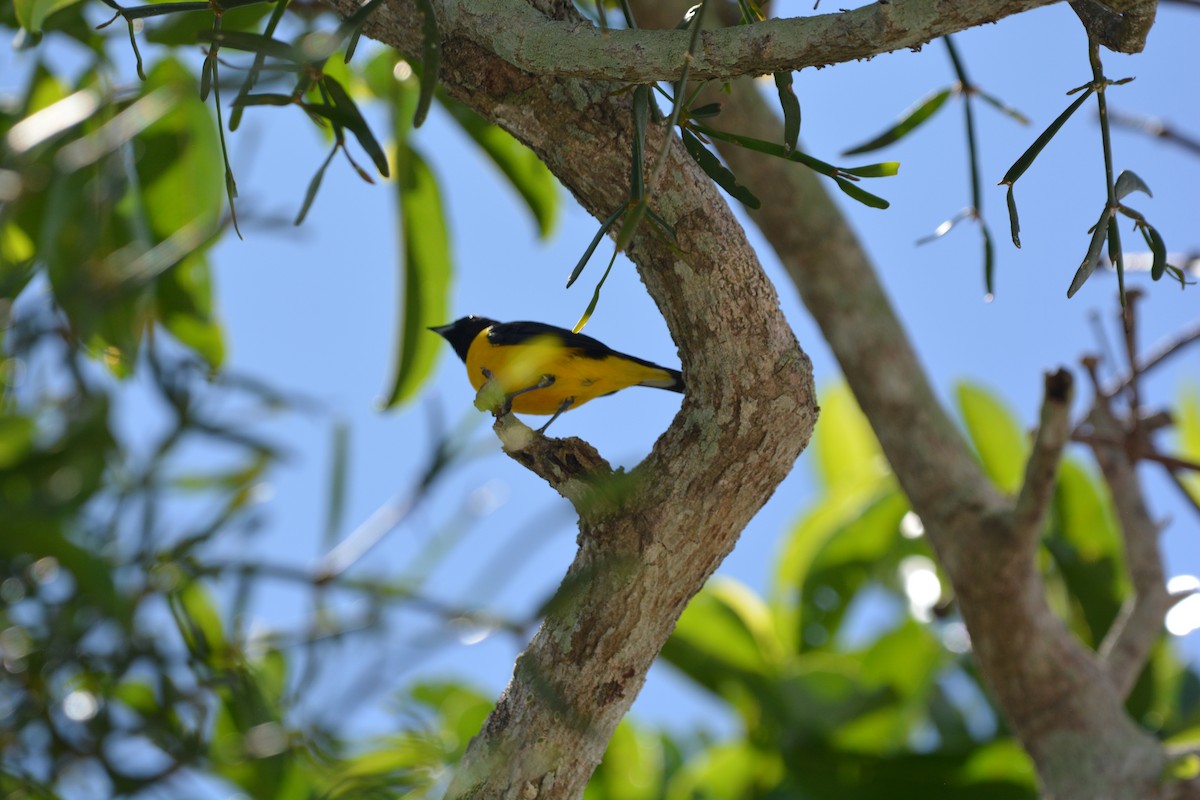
pixel 547 370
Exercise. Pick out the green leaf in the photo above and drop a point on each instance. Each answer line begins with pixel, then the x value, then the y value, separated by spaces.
pixel 1158 249
pixel 592 245
pixel 854 191
pixel 527 173
pixel 355 122
pixel 314 186
pixel 999 439
pixel 637 165
pixel 1128 182
pixel 791 109
pixel 846 450
pixel 725 628
pixel 1092 258
pixel 632 767
pixel 1187 431
pixel 591 307
pixel 425 274
pixel 199 622
pixel 1086 546
pixel 185 306
pixel 909 121
pixel 1014 222
pixel 884 169
pixel 180 189
pixel 431 56
pixel 718 172
pixel 16 438
pixel 253 43
pixel 1039 144
pixel 32 14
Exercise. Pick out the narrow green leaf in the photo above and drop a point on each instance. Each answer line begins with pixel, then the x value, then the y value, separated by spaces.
pixel 1092 258
pixel 235 117
pixel 357 124
pixel 1027 158
pixel 1014 223
pixel 637 166
pixel 717 171
pixel 352 45
pixel 431 58
pixel 1158 248
pixel 337 483
pixel 1129 182
pixel 662 224
pixel 911 119
pixel 629 225
pixel 861 195
pixel 426 271
pixel 704 111
pixel 791 109
pixel 591 307
pixel 252 43
pixel 314 186
pixel 527 173
pixel 989 260
pixel 159 9
pixel 591 248
pixel 263 99
pixel 884 169
pixel 1001 106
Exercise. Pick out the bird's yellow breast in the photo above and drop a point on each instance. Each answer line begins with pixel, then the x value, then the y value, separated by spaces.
pixel 576 376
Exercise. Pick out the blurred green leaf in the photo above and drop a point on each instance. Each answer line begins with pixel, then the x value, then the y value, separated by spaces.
pixel 909 121
pixel 632 767
pixel 431 57
pixel 16 438
pixel 847 452
pixel 199 621
pixel 1187 431
pixel 32 14
pixel 425 271
pixel 724 771
pixel 527 173
pixel 1000 440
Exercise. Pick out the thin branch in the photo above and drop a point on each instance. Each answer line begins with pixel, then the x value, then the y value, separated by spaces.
pixel 1042 467
pixel 1165 350
pixel 528 40
pixel 1128 642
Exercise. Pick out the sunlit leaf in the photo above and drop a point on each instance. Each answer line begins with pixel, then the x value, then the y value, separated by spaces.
pixel 999 439
pixel 909 121
pixel 425 271
pixel 32 14
pixel 527 173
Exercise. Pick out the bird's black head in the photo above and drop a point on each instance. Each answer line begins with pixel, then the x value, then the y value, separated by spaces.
pixel 462 332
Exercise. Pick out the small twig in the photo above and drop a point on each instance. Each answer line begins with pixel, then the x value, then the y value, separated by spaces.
pixel 1183 489
pixel 1156 127
pixel 1042 467
pixel 1164 351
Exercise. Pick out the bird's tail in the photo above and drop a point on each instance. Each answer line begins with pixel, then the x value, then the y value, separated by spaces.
pixel 673 383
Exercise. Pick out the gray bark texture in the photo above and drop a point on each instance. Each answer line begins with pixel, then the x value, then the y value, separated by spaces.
pixel 650 538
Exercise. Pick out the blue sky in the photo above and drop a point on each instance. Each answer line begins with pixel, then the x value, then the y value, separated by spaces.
pixel 313 310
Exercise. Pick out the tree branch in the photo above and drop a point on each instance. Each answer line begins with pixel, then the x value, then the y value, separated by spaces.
pixel 1054 692
pixel 1127 644
pixel 1042 468
pixel 542 46
pixel 748 411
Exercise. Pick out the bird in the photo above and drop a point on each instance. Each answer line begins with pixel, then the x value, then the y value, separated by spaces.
pixel 543 369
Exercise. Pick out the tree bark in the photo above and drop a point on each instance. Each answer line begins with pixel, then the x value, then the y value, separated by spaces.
pixel 649 540
pixel 1064 702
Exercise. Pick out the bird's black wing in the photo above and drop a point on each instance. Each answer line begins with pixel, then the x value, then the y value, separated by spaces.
pixel 512 333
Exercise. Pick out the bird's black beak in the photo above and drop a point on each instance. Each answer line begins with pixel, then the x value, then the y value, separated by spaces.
pixel 441 330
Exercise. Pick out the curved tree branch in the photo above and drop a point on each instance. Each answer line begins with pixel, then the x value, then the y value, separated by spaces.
pixel 1056 694
pixel 543 46
pixel 661 530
